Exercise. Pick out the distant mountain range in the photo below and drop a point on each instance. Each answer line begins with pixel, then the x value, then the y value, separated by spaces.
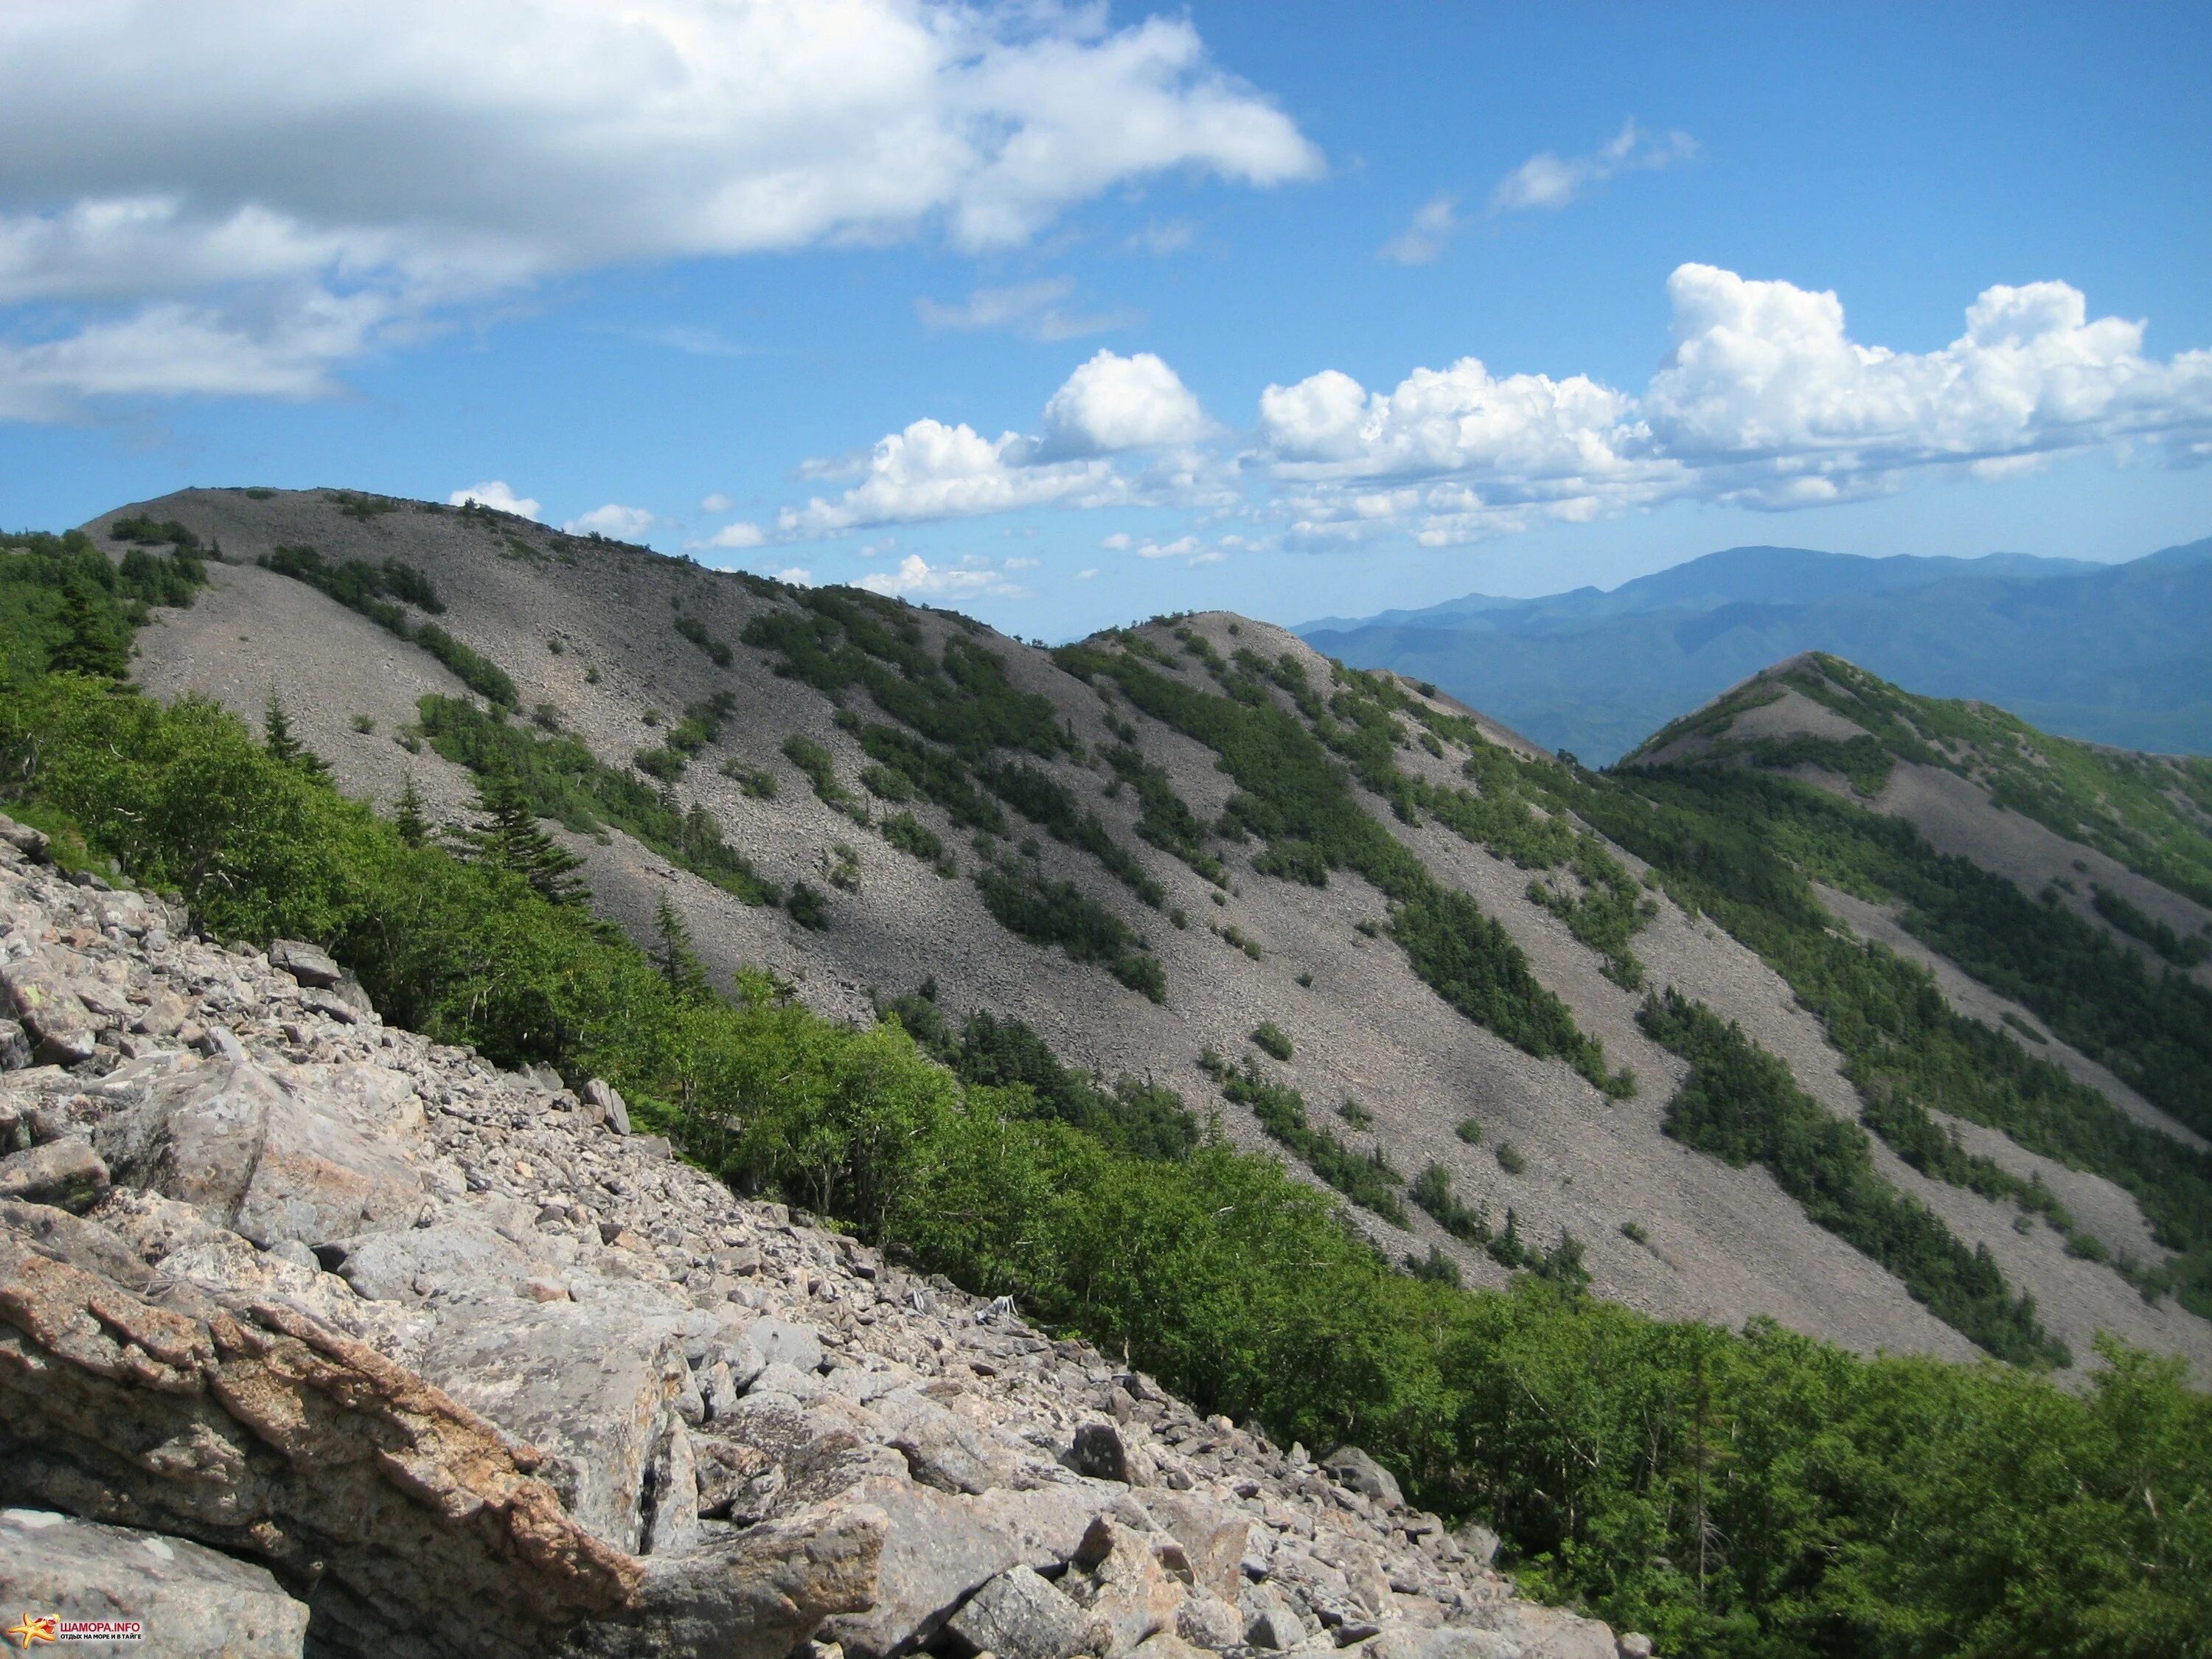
pixel 2112 653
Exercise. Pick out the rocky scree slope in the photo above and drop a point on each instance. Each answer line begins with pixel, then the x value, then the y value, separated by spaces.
pixel 1072 840
pixel 313 1331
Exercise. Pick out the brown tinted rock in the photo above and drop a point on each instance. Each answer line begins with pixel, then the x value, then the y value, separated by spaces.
pixel 61 1028
pixel 590 1384
pixel 1213 1537
pixel 756 1596
pixel 277 1439
pixel 66 1174
pixel 306 962
pixel 1132 1584
pixel 1018 1615
pixel 253 1156
pixel 1355 1469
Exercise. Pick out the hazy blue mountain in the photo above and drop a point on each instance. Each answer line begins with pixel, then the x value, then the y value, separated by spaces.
pixel 2114 653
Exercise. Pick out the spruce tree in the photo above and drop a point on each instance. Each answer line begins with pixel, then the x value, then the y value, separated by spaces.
pixel 510 838
pixel 91 643
pixel 672 953
pixel 277 737
pixel 407 815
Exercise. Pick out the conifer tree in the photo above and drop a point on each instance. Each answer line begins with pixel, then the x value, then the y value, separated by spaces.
pixel 407 815
pixel 278 739
pixel 91 643
pixel 510 838
pixel 672 952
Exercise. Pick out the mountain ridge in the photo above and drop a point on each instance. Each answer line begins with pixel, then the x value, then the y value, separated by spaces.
pixel 2102 652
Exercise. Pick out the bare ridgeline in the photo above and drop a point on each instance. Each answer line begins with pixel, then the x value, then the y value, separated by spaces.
pixel 302 1317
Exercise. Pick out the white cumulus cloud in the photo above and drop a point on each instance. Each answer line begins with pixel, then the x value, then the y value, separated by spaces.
pixel 255 163
pixel 1548 181
pixel 1765 401
pixel 915 574
pixel 932 471
pixel 1115 403
pixel 717 502
pixel 740 534
pixel 495 494
pixel 615 521
pixel 1423 239
pixel 1109 405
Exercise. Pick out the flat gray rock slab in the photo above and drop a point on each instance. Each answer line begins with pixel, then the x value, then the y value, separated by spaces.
pixel 193 1602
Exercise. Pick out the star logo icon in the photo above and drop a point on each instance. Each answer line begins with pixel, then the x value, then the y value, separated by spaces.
pixel 36 1627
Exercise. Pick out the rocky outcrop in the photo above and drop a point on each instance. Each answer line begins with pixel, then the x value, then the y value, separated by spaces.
pixel 440 1355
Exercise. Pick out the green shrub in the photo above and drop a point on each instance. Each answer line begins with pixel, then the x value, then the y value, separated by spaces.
pixel 1047 912
pixel 1469 1131
pixel 695 631
pixel 807 907
pixel 1509 1158
pixel 1271 1039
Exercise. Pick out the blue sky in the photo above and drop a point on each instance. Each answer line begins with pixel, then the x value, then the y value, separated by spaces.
pixel 1185 299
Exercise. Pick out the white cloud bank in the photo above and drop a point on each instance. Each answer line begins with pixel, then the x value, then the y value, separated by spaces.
pixel 615 521
pixel 495 494
pixel 1547 180
pixel 971 576
pixel 218 228
pixel 1109 406
pixel 1765 401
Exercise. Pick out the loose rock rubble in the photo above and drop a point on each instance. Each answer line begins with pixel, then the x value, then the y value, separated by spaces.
pixel 418 1357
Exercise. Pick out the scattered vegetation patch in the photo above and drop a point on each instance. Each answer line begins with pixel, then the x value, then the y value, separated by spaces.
pixel 1366 1179
pixel 362 508
pixel 807 907
pixel 1295 797
pixel 1135 1115
pixel 695 631
pixel 756 783
pixel 378 592
pixel 911 836
pixel 1046 912
pixel 2181 952
pixel 1740 1104
pixel 1271 1038
pixel 66 606
pixel 819 767
pixel 561 778
pixel 1744 848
